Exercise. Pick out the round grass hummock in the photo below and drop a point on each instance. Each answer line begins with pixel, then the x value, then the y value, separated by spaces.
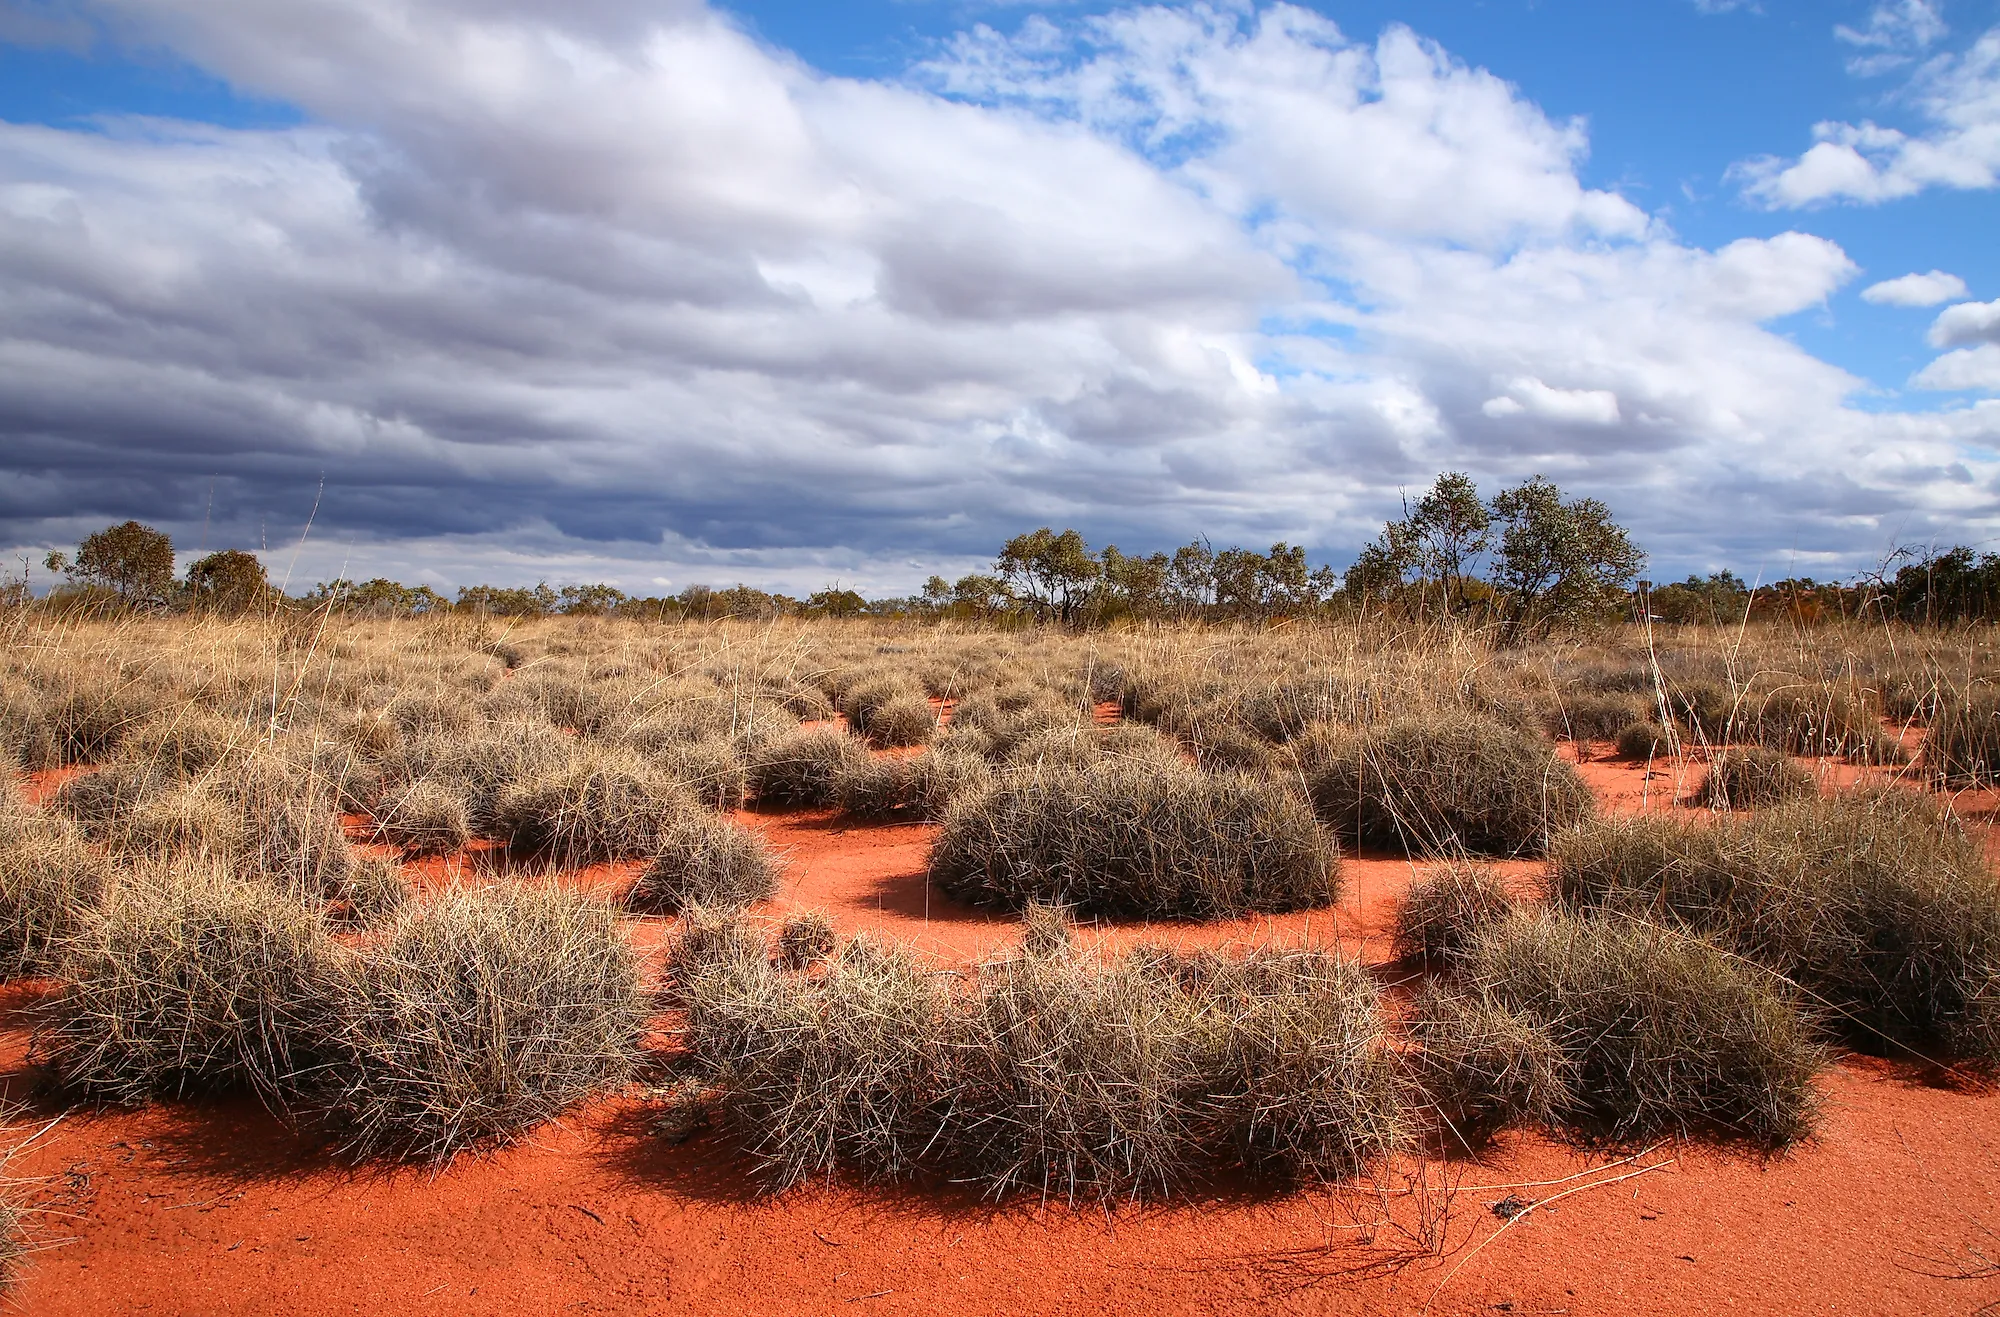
pixel 190 981
pixel 1876 902
pixel 1753 777
pixel 1447 784
pixel 1447 908
pixel 705 861
pixel 480 1014
pixel 1661 1033
pixel 1122 838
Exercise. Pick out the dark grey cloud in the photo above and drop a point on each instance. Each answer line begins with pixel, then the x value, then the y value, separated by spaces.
pixel 612 291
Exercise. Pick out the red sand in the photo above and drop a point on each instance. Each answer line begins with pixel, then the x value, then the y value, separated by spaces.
pixel 218 1209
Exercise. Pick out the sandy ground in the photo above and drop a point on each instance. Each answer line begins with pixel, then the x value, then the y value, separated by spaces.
pixel 219 1209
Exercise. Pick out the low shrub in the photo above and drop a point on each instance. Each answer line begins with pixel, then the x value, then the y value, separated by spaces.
pixel 300 845
pixel 90 722
pixel 1644 740
pixel 705 861
pixel 1447 908
pixel 1661 1033
pixel 1753 778
pixel 374 890
pixel 1484 1067
pixel 1706 709
pixel 711 941
pixel 49 883
pixel 1074 746
pixel 904 720
pixel 1050 1074
pixel 424 713
pixel 1086 1081
pixel 1438 785
pixel 187 740
pixel 482 1013
pixel 425 818
pixel 863 701
pixel 1875 903
pixel 480 769
pixel 1285 711
pixel 914 788
pixel 1962 746
pixel 188 981
pixel 103 801
pixel 872 788
pixel 1816 721
pixel 710 769
pixel 1047 930
pixel 183 817
pixel 802 770
pixel 28 739
pixel 1120 838
pixel 843 1071
pixel 1600 717
pixel 805 939
pixel 606 804
pixel 1008 717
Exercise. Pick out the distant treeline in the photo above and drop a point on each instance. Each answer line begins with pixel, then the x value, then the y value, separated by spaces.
pixel 1525 561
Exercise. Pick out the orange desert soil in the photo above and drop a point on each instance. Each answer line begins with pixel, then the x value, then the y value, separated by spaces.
pixel 211 1208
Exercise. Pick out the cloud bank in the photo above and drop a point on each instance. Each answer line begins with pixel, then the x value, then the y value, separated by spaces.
pixel 1867 164
pixel 612 291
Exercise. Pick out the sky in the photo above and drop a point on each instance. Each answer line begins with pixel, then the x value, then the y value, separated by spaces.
pixel 663 292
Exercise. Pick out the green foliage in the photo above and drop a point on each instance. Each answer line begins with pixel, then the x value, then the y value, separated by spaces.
pixel 376 598
pixel 1054 573
pixel 134 560
pixel 1553 562
pixel 835 601
pixel 1558 563
pixel 229 582
pixel 1716 600
pixel 1948 587
pixel 1441 539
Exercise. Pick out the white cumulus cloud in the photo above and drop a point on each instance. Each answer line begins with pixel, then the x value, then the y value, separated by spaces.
pixel 1915 290
pixel 1529 396
pixel 1967 368
pixel 1866 163
pixel 1968 322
